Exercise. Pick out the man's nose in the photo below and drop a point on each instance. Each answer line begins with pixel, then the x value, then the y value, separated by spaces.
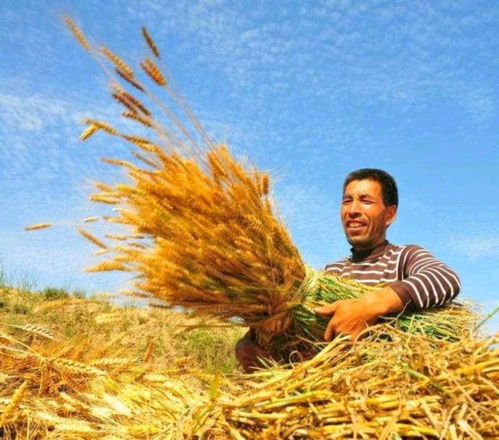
pixel 354 209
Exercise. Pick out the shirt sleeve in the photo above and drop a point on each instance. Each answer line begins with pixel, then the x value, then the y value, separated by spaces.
pixel 425 281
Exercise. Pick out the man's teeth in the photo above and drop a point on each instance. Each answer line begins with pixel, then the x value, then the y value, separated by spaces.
pixel 355 224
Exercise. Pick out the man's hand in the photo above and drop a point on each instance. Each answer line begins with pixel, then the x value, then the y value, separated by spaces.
pixel 351 316
pixel 248 353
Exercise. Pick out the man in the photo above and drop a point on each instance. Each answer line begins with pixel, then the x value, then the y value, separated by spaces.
pixel 413 278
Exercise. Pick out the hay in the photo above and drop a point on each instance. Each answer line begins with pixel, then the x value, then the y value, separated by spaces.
pixel 390 384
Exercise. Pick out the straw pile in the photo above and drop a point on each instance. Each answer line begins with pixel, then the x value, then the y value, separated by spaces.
pixel 407 387
pixel 46 393
pixel 199 227
pixel 73 366
pixel 389 385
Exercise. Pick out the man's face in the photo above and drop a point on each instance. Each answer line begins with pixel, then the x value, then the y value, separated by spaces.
pixel 364 216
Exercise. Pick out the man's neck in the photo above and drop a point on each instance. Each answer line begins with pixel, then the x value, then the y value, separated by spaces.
pixel 368 252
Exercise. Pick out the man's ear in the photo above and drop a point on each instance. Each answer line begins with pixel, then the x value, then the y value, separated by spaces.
pixel 390 215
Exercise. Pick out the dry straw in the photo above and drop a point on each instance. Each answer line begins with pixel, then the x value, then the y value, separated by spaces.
pixel 391 384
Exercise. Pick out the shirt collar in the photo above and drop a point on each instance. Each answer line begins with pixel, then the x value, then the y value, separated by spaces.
pixel 370 253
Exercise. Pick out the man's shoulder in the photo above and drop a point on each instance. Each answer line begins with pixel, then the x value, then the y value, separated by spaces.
pixel 337 264
pixel 404 246
pixel 411 248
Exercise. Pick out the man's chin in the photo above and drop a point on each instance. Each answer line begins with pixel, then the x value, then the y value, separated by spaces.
pixel 358 242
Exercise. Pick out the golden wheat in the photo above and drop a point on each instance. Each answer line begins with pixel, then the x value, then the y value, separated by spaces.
pixel 136 117
pixel 40 331
pixel 153 71
pixel 111 56
pixel 75 367
pixel 129 79
pixel 78 34
pixel 151 346
pixel 120 99
pixel 129 101
pixel 101 125
pixel 89 131
pixel 92 238
pixel 150 42
pixel 37 226
pixel 13 403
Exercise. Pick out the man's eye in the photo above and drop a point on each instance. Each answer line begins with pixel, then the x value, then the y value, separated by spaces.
pixel 345 201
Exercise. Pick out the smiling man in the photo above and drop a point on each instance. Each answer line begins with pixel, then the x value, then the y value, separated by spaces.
pixel 413 279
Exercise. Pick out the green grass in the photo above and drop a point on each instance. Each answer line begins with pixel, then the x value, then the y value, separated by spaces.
pixel 208 350
pixel 52 293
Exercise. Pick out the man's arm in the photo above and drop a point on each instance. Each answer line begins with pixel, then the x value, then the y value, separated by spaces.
pixel 426 282
pixel 249 354
pixel 351 316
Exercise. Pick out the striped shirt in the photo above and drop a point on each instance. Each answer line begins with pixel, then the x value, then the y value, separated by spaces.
pixel 418 278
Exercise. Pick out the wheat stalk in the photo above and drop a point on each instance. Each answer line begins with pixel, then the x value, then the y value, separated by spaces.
pixel 92 238
pixel 89 131
pixel 40 331
pixel 75 367
pixel 130 80
pixel 78 34
pixel 153 71
pixel 150 42
pixel 13 403
pixel 118 61
pixel 37 226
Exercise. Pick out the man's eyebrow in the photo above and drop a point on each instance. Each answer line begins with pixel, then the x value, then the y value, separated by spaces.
pixel 362 196
pixel 366 196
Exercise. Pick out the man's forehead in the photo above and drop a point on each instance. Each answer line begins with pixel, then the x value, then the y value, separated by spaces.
pixel 363 187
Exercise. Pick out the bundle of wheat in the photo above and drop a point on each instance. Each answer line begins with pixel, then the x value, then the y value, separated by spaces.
pixel 200 227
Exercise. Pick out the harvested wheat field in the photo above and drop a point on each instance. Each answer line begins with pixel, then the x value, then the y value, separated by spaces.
pixel 197 228
pixel 82 369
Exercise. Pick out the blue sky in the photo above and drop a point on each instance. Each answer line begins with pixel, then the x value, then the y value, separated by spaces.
pixel 309 90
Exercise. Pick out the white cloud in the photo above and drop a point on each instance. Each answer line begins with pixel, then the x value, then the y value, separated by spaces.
pixel 476 247
pixel 407 54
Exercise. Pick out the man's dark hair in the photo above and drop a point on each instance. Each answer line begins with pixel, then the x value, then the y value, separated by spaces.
pixel 387 182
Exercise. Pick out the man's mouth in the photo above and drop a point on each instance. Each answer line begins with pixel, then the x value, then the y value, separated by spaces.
pixel 355 225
